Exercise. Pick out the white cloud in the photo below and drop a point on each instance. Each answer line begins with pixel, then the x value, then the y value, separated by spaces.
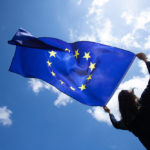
pixel 96 8
pixel 96 5
pixel 79 2
pixel 99 3
pixel 5 114
pixel 101 27
pixel 139 83
pixel 37 86
pixel 87 37
pixel 142 19
pixel 62 100
pixel 71 34
pixel 128 17
pixel 99 114
pixel 138 37
pixel 105 34
pixel 129 40
pixel 147 43
pixel 138 20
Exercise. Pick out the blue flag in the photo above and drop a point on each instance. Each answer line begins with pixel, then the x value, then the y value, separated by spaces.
pixel 88 72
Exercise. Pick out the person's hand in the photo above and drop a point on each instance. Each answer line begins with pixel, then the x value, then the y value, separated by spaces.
pixel 142 56
pixel 106 109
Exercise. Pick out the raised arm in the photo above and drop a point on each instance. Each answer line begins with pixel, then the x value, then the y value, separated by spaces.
pixel 116 124
pixel 143 57
pixel 145 97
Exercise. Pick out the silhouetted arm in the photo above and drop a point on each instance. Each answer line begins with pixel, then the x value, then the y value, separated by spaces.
pixel 117 124
pixel 148 66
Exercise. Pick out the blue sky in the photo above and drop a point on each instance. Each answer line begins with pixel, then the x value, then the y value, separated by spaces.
pixel 35 116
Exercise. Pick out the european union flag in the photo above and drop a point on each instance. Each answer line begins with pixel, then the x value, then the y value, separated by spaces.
pixel 87 71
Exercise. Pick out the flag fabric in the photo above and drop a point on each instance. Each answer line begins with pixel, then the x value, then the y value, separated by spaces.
pixel 88 72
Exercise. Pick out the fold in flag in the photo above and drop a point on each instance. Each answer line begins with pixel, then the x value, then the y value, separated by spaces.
pixel 88 72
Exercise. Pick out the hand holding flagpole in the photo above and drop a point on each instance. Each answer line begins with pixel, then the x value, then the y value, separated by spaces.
pixel 106 109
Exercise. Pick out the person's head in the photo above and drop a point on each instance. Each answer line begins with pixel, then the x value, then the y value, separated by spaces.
pixel 128 105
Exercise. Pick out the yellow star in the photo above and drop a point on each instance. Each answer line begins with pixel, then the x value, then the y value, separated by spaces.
pixel 53 74
pixel 82 87
pixel 61 82
pixel 89 77
pixel 49 63
pixel 87 55
pixel 67 50
pixel 76 53
pixel 52 53
pixel 92 66
pixel 73 89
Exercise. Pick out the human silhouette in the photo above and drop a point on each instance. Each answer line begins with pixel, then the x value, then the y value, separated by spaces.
pixel 135 112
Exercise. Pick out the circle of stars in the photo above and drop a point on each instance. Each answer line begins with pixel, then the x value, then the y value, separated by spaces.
pixel 86 56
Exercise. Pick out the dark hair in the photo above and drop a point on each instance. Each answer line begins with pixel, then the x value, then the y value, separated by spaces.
pixel 128 106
